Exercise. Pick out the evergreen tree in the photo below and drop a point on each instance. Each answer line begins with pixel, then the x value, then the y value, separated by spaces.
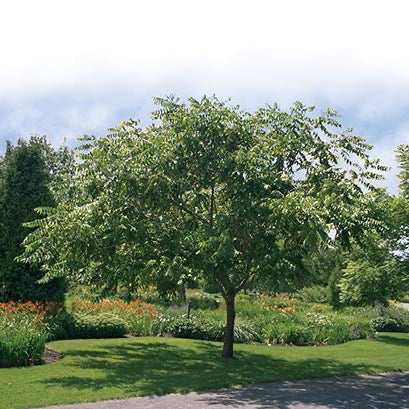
pixel 24 181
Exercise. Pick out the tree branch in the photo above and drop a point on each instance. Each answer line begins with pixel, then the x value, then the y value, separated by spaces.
pixel 211 212
pixel 183 207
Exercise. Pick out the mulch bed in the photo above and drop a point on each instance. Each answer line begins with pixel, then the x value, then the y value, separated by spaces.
pixel 50 356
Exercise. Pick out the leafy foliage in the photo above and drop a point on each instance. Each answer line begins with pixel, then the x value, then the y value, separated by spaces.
pixel 364 282
pixel 402 155
pixel 201 300
pixel 376 265
pixel 101 325
pixel 24 185
pixel 138 316
pixel 393 320
pixel 22 339
pixel 314 294
pixel 401 212
pixel 206 190
pixel 204 328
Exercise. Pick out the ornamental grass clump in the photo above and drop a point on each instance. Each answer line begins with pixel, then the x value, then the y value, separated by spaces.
pixel 22 336
pixel 293 322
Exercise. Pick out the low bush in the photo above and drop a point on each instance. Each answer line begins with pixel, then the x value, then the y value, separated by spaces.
pixel 22 339
pixel 350 327
pixel 384 323
pixel 198 327
pixel 50 313
pixel 315 294
pixel 194 327
pixel 138 315
pixel 395 319
pixel 313 328
pixel 100 325
pixel 285 333
pixel 260 318
pixel 59 326
pixel 204 301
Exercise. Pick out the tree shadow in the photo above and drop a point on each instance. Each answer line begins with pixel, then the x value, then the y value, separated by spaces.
pixel 158 368
pixel 387 339
pixel 386 391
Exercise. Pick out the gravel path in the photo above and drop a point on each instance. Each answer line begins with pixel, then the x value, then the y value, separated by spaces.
pixel 384 391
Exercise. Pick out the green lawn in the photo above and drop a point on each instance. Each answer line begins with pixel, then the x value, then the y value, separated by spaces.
pixel 117 368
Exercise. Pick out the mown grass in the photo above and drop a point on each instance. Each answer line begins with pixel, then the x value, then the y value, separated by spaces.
pixel 116 368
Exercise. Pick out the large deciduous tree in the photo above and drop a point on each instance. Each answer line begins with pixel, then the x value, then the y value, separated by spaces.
pixel 209 190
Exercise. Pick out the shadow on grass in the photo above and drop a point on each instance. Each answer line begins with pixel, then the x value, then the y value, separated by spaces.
pixel 387 339
pixel 156 368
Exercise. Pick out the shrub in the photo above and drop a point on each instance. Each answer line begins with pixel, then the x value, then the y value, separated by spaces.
pixel 314 329
pixel 365 281
pixel 151 296
pixel 198 327
pixel 209 286
pixel 22 339
pixel 100 325
pixel 315 294
pixel 350 327
pixel 138 315
pixel 60 326
pixel 194 327
pixel 394 320
pixel 204 301
pixel 384 323
pixel 286 333
pixel 248 306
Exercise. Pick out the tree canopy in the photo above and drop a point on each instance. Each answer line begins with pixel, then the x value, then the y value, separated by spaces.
pixel 206 190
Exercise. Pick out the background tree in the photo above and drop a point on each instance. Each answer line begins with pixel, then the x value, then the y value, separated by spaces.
pixel 401 211
pixel 24 184
pixel 206 190
pixel 376 266
pixel 402 156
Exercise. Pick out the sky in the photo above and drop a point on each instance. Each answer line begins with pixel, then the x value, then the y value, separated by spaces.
pixel 69 68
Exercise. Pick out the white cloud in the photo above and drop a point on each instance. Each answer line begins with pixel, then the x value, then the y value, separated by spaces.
pixel 74 67
pixel 292 47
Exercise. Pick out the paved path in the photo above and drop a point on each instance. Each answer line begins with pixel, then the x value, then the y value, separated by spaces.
pixel 385 391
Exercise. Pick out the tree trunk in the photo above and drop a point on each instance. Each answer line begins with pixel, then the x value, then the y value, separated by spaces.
pixel 181 290
pixel 229 328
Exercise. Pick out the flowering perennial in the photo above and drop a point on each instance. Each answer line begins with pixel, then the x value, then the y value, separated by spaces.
pixel 38 308
pixel 119 307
